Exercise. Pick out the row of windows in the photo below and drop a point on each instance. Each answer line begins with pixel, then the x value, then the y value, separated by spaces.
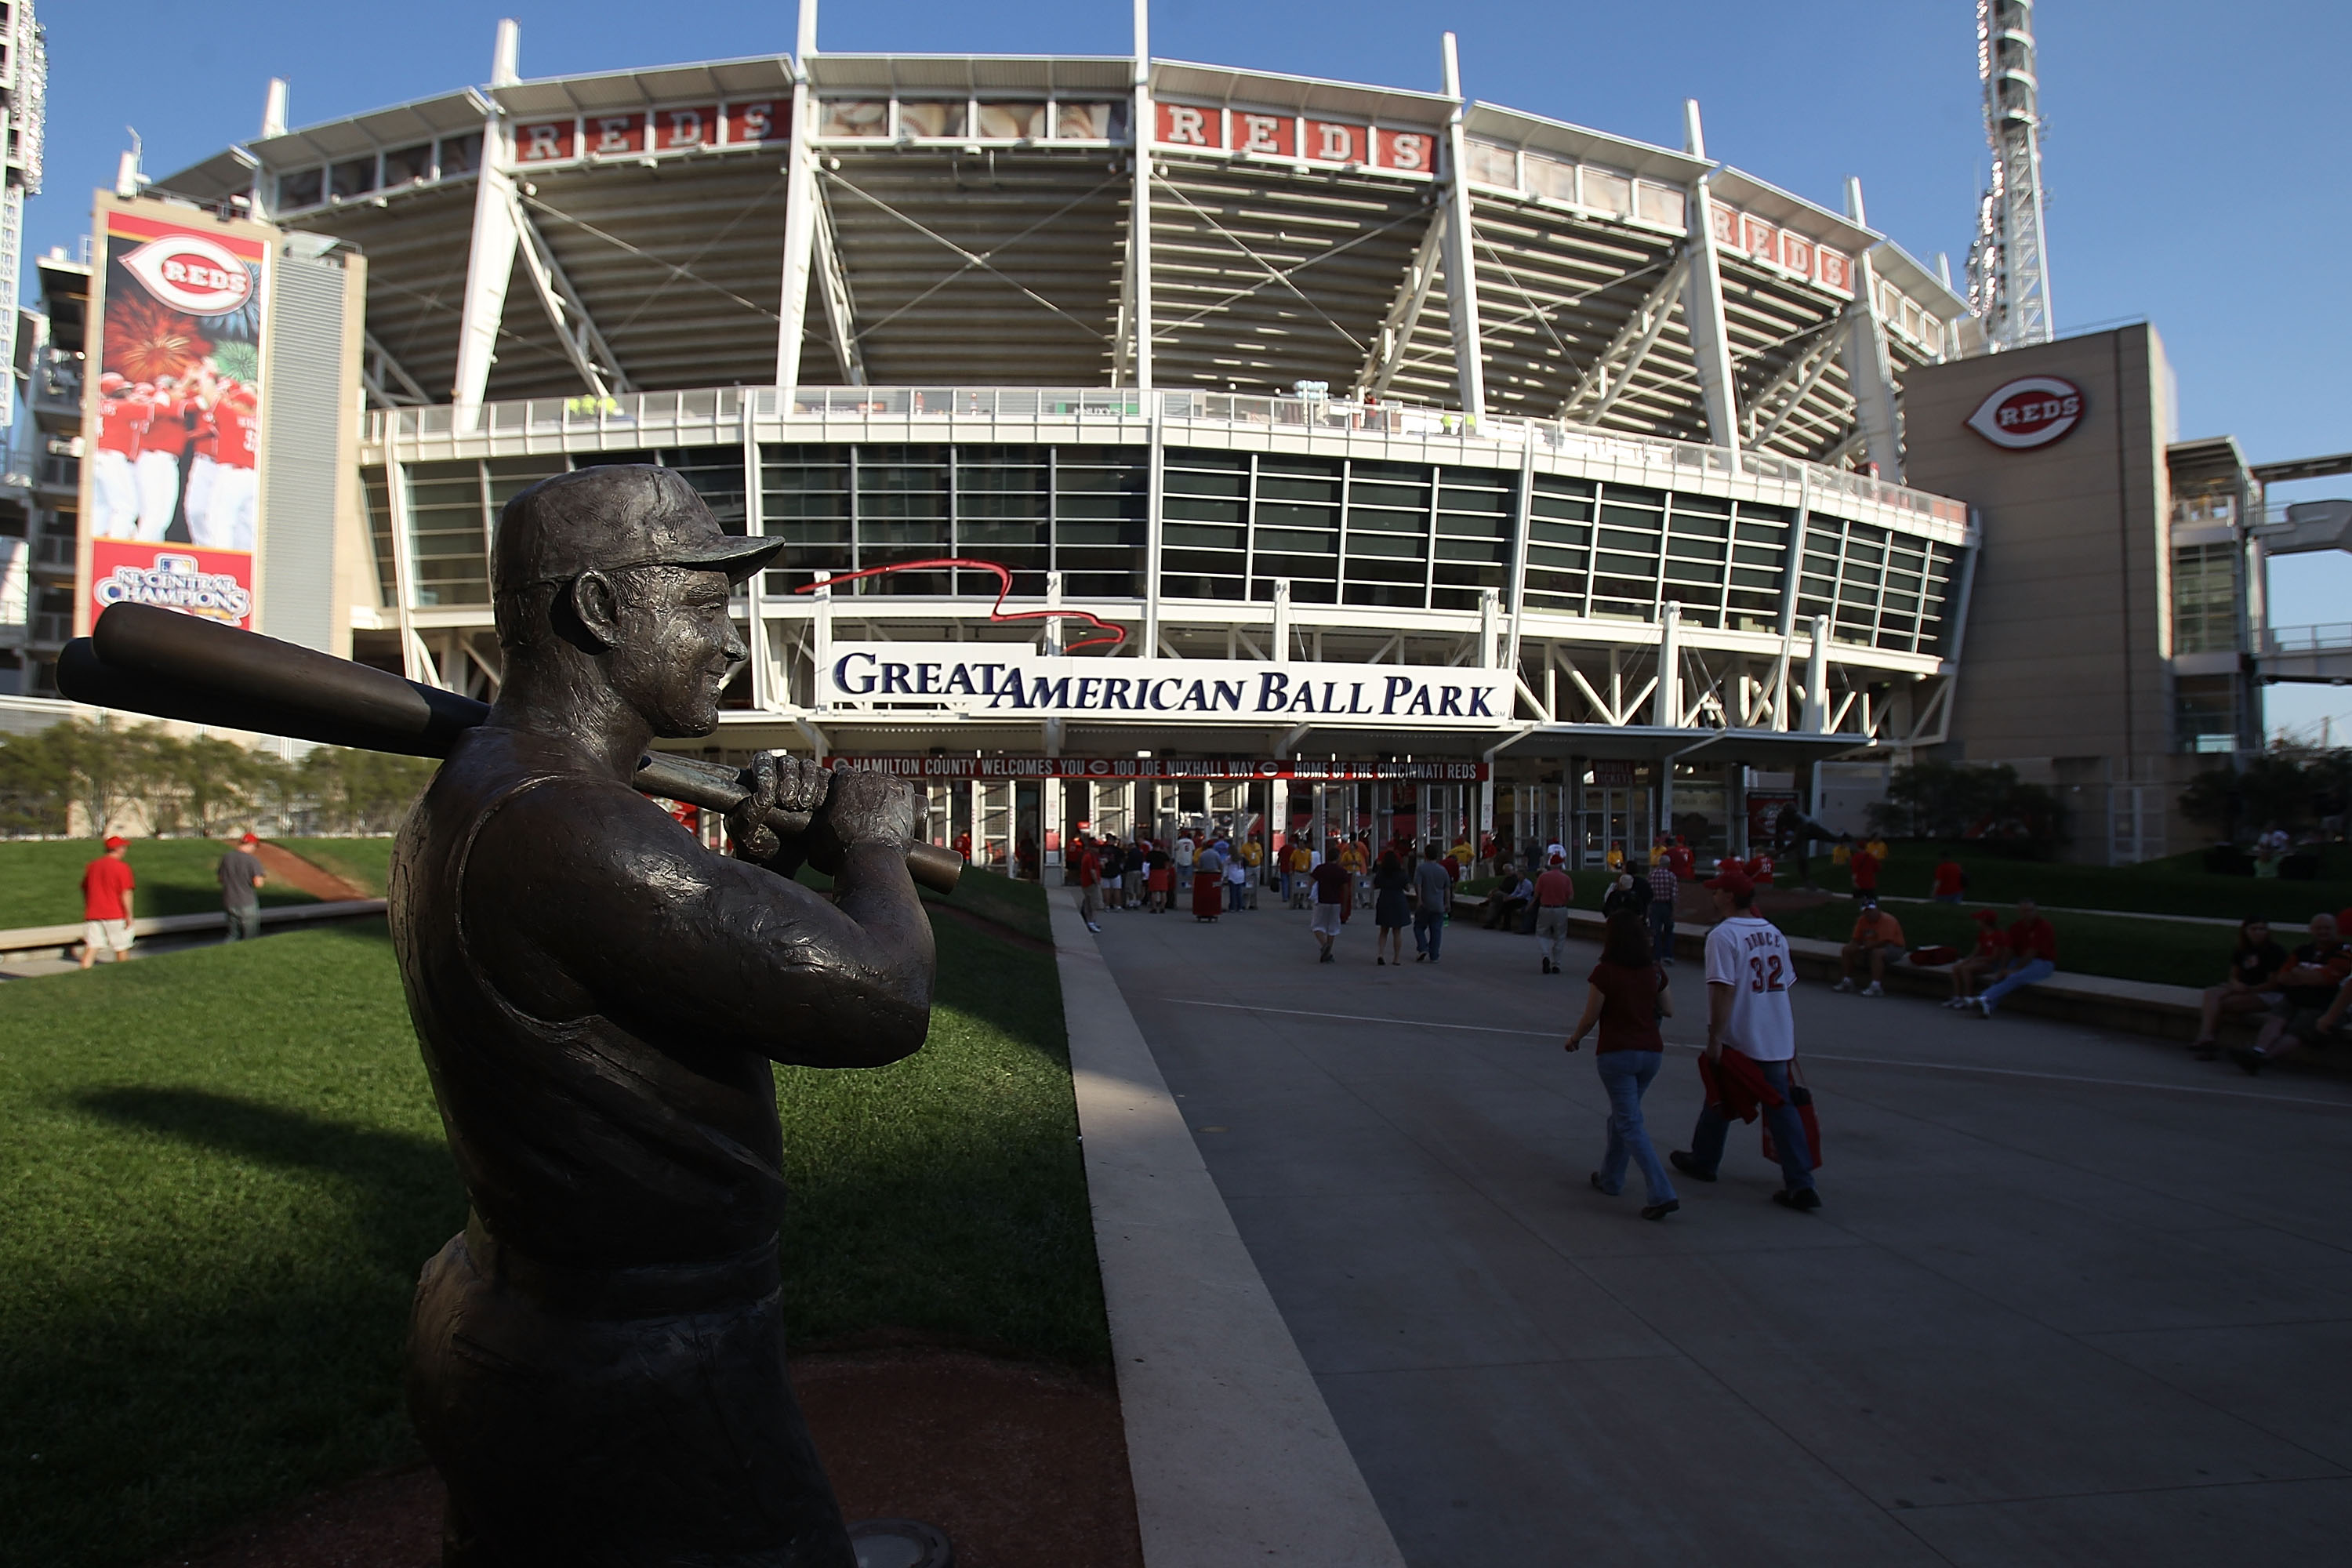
pixel 2205 598
pixel 1340 531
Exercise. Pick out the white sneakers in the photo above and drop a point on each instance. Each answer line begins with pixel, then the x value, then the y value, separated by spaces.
pixel 1846 985
pixel 1874 989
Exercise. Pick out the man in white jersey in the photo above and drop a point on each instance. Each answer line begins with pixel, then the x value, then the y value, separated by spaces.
pixel 1752 1038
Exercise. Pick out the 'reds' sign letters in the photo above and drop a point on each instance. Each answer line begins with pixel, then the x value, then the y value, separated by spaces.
pixel 2031 411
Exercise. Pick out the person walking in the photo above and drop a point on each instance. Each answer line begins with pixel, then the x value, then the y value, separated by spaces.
pixel 1665 885
pixel 1752 1044
pixel 1432 890
pixel 1626 994
pixel 1330 884
pixel 107 884
pixel 1555 891
pixel 1391 910
pixel 1238 881
pixel 1089 873
pixel 241 878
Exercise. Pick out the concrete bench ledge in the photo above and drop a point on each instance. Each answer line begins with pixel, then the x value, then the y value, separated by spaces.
pixel 28 939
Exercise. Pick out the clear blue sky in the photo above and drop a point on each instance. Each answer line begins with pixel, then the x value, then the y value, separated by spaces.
pixel 2196 154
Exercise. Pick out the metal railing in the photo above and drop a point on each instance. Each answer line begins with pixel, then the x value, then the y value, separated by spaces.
pixel 714 416
pixel 2326 636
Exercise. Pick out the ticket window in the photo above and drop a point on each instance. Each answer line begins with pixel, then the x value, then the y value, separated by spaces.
pixel 1028 831
pixel 1228 810
pixel 1114 810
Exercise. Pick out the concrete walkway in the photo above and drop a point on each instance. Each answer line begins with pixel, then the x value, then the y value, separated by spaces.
pixel 2073 1297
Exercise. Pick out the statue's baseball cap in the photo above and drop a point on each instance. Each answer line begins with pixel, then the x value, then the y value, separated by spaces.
pixel 609 519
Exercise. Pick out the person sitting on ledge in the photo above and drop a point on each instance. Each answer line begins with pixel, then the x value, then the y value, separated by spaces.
pixel 2310 999
pixel 1876 937
pixel 1508 900
pixel 1991 952
pixel 2032 957
pixel 2255 966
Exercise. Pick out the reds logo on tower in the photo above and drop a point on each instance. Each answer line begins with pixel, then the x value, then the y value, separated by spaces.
pixel 2032 411
pixel 190 273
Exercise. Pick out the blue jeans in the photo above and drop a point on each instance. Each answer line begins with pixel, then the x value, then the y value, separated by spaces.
pixel 1788 1132
pixel 245 924
pixel 1625 1074
pixel 2018 980
pixel 1428 930
pixel 1662 930
pixel 1233 895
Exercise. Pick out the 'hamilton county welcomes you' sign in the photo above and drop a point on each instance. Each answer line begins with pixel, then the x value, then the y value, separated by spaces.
pixel 1002 681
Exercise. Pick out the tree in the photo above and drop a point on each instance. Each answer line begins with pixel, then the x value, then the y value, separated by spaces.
pixel 2285 787
pixel 1952 800
pixel 35 784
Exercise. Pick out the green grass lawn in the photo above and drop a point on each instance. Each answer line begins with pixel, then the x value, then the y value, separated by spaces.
pixel 2176 886
pixel 362 862
pixel 222 1170
pixel 40 879
pixel 1017 906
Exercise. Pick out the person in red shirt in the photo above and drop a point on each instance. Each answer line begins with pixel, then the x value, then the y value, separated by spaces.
pixel 1991 952
pixel 122 419
pixel 163 474
pixel 1555 891
pixel 1679 857
pixel 1089 870
pixel 1863 866
pixel 221 510
pixel 106 888
pixel 2032 957
pixel 1951 882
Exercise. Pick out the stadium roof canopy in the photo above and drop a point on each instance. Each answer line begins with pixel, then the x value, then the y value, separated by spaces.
pixel 971 220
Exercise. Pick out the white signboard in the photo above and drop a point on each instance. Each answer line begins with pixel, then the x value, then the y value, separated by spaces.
pixel 995 680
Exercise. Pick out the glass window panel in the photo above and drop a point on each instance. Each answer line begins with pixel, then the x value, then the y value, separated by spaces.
pixel 302 188
pixel 1014 121
pixel 351 177
pixel 932 120
pixel 1607 190
pixel 1660 205
pixel 1082 122
pixel 1363 493
pixel 407 165
pixel 1493 165
pixel 461 154
pixel 853 117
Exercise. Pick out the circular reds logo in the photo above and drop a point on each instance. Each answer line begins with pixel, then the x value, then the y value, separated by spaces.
pixel 190 273
pixel 2032 411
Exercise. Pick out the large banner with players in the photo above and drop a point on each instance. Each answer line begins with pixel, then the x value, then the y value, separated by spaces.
pixel 173 416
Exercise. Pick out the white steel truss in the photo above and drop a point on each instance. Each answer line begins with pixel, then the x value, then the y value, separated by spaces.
pixel 1609 374
pixel 583 345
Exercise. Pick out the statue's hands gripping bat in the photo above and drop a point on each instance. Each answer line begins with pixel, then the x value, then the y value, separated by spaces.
pixel 145 659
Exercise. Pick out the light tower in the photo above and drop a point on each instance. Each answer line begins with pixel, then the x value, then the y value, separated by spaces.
pixel 2008 265
pixel 24 85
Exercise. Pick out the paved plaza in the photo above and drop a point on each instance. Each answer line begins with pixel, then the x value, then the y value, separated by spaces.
pixel 2072 1298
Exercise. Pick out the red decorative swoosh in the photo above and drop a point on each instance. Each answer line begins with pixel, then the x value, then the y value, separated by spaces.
pixel 996 612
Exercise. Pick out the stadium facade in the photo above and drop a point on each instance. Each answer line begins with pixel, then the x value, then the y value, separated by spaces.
pixel 1340 450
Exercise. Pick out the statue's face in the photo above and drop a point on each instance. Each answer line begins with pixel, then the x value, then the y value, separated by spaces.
pixel 675 647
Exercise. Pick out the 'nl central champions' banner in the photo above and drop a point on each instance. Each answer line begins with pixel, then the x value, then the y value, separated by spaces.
pixel 175 417
pixel 1005 681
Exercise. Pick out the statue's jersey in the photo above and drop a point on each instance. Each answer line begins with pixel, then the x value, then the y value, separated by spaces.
pixel 584 1141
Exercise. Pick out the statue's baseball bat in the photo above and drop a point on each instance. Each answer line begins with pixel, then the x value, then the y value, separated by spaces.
pixel 146 660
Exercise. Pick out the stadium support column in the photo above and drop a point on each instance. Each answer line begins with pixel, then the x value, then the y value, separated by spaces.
pixel 1143 122
pixel 800 223
pixel 1155 495
pixel 1816 720
pixel 1866 369
pixel 1702 299
pixel 490 259
pixel 755 525
pixel 1461 270
pixel 1667 705
pixel 1791 577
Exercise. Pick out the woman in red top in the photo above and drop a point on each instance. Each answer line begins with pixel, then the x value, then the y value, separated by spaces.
pixel 1991 952
pixel 1626 996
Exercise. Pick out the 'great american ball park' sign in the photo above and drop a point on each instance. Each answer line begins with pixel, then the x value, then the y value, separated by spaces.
pixel 1006 680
